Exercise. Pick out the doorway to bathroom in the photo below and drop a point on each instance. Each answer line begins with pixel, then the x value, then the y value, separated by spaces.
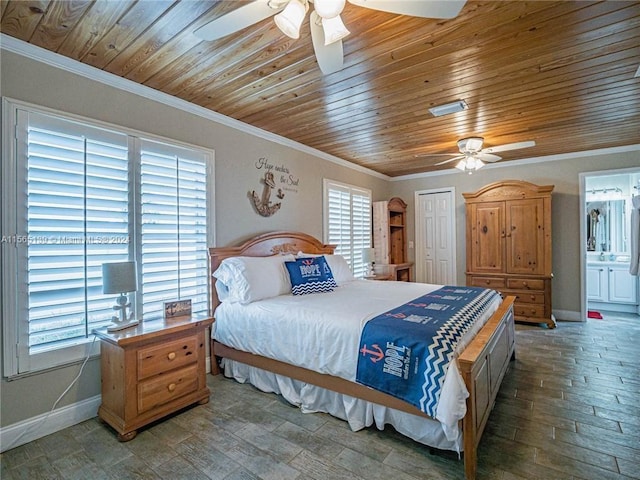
pixel 608 287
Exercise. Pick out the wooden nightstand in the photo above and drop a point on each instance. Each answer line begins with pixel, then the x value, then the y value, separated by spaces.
pixel 152 370
pixel 379 276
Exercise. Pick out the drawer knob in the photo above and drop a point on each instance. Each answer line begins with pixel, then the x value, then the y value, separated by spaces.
pixel 171 356
pixel 525 284
pixel 171 387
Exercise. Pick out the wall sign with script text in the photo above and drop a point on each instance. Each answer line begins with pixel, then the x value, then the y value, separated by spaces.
pixel 276 180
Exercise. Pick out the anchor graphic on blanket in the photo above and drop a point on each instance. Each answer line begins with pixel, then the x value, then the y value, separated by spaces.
pixel 376 355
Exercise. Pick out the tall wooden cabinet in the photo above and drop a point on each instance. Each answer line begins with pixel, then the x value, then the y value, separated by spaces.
pixel 390 239
pixel 509 245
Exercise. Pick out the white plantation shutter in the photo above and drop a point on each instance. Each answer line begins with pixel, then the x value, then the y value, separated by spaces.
pixel 174 229
pixel 360 227
pixel 74 196
pixel 348 222
pixel 77 219
pixel 339 220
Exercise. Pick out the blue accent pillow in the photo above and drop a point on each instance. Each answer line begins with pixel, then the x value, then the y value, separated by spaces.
pixel 310 275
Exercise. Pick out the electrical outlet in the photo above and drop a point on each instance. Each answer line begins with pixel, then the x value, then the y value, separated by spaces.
pixel 410 243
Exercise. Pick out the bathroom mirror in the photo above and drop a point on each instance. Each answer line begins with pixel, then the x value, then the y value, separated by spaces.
pixel 607 226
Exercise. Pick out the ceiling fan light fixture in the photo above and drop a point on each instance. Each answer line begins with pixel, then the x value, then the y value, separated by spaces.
pixel 470 164
pixel 334 30
pixel 447 108
pixel 328 8
pixel 290 19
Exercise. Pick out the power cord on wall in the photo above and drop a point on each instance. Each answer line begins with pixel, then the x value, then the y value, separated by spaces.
pixel 37 425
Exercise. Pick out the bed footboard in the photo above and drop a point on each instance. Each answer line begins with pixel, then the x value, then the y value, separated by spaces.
pixel 483 365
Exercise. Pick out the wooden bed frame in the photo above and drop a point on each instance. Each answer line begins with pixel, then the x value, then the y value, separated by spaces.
pixel 482 364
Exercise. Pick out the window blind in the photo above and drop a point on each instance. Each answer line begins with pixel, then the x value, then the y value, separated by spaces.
pixel 348 222
pixel 77 219
pixel 174 228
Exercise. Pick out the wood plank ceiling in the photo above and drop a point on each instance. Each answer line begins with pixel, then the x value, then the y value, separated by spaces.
pixel 560 73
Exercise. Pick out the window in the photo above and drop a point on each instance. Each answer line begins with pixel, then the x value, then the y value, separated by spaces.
pixel 347 222
pixel 173 237
pixel 77 195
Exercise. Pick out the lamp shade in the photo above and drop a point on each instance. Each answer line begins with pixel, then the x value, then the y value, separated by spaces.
pixel 334 30
pixel 119 277
pixel 470 164
pixel 368 255
pixel 290 19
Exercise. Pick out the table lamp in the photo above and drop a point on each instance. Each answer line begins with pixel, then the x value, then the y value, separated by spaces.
pixel 120 277
pixel 368 258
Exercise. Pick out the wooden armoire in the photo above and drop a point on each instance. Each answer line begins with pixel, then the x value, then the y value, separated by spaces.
pixel 509 245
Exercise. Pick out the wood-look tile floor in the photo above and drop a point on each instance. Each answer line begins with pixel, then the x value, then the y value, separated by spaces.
pixel 568 409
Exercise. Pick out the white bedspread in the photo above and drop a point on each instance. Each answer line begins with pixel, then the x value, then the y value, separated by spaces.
pixel 321 332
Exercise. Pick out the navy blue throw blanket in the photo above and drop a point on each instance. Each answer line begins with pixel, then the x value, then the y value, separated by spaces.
pixel 406 351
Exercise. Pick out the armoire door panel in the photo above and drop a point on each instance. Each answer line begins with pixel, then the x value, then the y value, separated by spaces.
pixel 525 236
pixel 487 235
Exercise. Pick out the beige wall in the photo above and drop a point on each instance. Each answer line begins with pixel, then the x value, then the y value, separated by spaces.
pixel 236 153
pixel 565 206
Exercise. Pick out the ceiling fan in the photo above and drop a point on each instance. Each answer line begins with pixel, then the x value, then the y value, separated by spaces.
pixel 472 156
pixel 327 29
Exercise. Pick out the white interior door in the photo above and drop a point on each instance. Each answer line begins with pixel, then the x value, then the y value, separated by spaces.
pixel 435 237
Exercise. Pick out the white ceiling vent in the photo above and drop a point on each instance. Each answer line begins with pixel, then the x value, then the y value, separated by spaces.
pixel 447 108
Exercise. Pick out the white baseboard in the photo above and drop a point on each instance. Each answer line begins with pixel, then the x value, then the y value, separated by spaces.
pixel 567 315
pixel 48 423
pixel 40 426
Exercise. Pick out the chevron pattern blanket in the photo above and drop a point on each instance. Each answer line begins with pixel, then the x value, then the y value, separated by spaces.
pixel 406 351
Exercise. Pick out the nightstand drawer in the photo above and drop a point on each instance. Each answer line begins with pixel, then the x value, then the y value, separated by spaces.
pixel 165 388
pixel 167 356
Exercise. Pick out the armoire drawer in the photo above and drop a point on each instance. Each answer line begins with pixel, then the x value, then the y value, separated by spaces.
pixel 525 296
pixel 487 282
pixel 525 283
pixel 528 310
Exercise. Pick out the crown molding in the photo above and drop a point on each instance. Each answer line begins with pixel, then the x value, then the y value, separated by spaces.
pixel 56 60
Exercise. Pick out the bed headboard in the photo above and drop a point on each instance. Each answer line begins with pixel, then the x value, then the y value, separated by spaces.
pixel 265 245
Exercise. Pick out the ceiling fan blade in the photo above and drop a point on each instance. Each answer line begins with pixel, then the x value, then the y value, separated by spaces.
pixel 420 155
pixel 509 146
pixel 415 8
pixel 330 57
pixel 457 157
pixel 236 20
pixel 487 157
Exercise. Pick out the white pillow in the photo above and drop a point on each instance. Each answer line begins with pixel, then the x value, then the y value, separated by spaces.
pixel 338 265
pixel 247 279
